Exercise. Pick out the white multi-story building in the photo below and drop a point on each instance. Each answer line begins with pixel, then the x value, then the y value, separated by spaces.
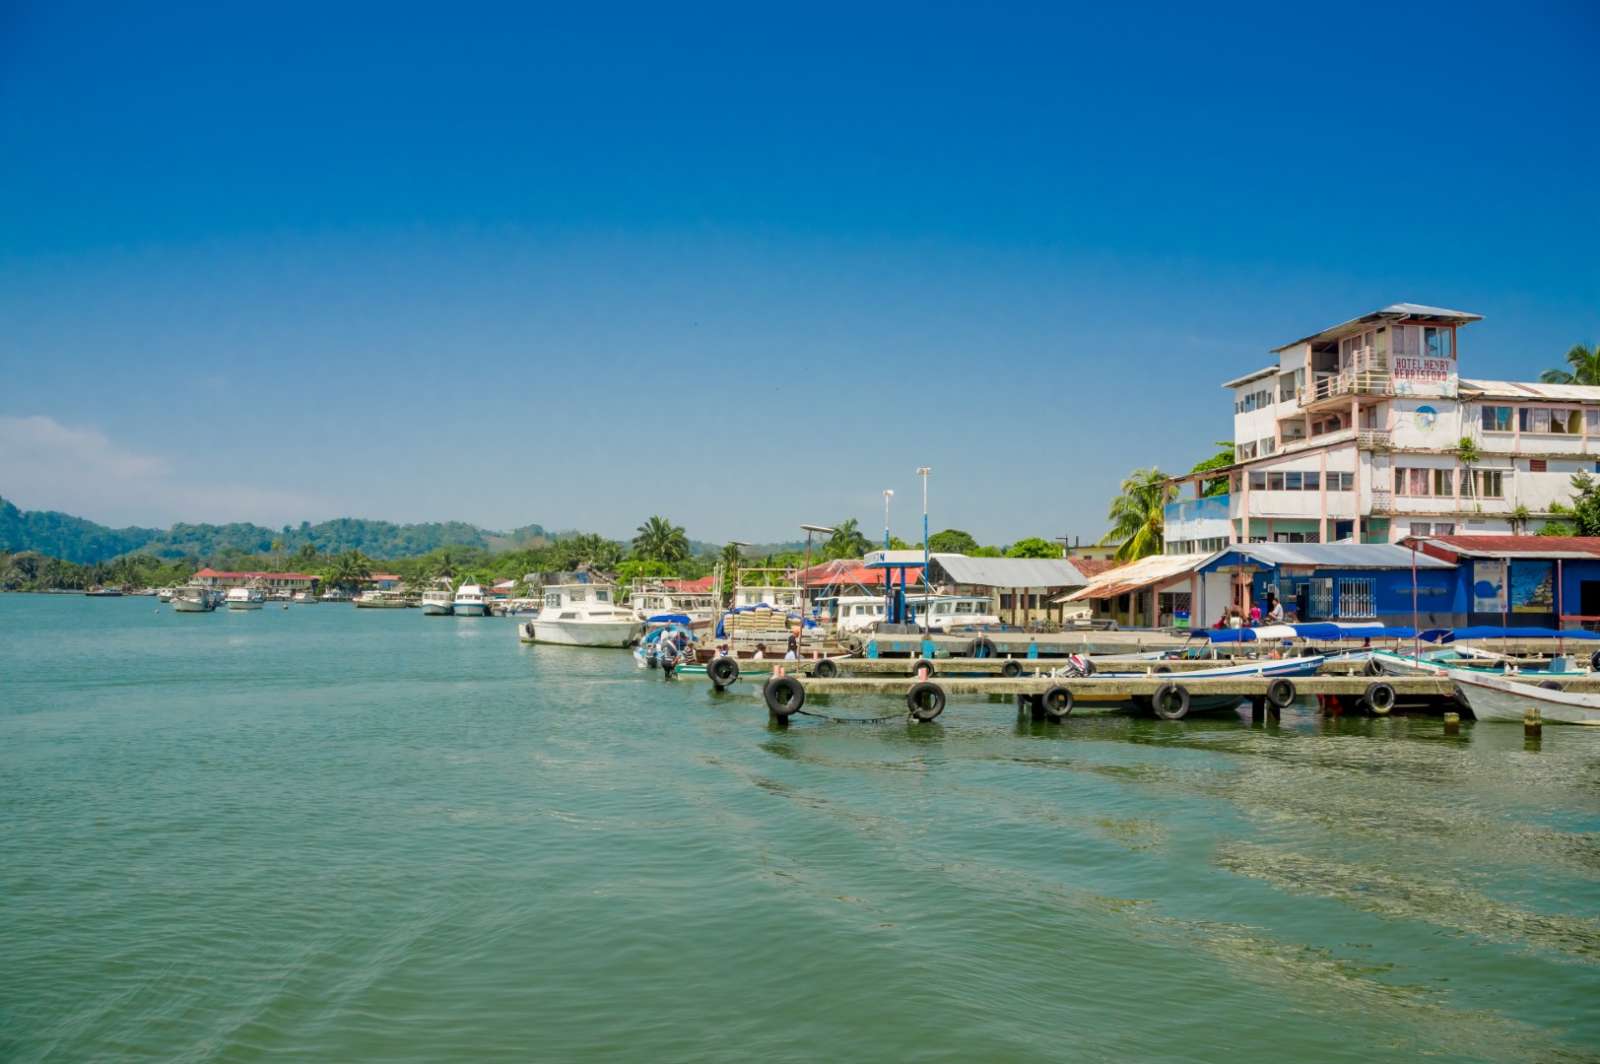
pixel 1366 432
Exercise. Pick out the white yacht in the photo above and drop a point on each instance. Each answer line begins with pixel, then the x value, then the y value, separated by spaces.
pixel 245 598
pixel 302 597
pixel 779 598
pixel 581 615
pixel 857 613
pixel 336 594
pixel 193 599
pixel 699 607
pixel 469 601
pixel 438 600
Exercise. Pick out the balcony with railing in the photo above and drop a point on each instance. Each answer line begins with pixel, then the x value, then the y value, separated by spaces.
pixel 1365 376
pixel 1382 501
pixel 1374 439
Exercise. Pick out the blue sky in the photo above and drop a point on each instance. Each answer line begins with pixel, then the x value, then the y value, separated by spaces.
pixel 742 266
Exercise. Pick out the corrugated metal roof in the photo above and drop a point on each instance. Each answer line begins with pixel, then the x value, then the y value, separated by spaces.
pixel 1336 555
pixel 1581 393
pixel 1549 547
pixel 1393 311
pixel 1248 377
pixel 1010 572
pixel 1156 569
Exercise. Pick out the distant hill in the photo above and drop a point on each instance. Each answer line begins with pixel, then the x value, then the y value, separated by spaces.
pixel 76 539
pixel 63 536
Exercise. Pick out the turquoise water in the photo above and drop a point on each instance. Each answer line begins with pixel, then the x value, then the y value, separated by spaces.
pixel 330 834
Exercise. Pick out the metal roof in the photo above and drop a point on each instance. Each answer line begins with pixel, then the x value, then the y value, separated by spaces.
pixel 1335 555
pixel 1010 572
pixel 1135 576
pixel 1393 312
pixel 1586 548
pixel 1248 377
pixel 1578 393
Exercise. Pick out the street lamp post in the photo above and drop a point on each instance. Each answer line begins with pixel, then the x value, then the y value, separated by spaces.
pixel 888 493
pixel 804 598
pixel 923 471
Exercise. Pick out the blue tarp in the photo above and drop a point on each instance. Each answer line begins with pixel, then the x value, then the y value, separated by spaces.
pixel 1325 631
pixel 1489 631
pixel 670 618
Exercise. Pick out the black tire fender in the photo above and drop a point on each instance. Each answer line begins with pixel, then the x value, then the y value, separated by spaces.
pixel 827 668
pixel 925 700
pixel 1057 700
pixel 983 647
pixel 1171 701
pixel 1379 698
pixel 784 696
pixel 1594 661
pixel 1281 692
pixel 922 663
pixel 1011 669
pixel 724 671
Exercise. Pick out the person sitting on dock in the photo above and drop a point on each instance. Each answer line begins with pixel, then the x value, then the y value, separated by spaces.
pixel 793 653
pixel 761 652
pixel 1274 610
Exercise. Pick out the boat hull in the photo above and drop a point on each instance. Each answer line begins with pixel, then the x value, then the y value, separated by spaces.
pixel 244 605
pixel 437 609
pixel 470 609
pixel 580 633
pixel 1502 699
pixel 181 605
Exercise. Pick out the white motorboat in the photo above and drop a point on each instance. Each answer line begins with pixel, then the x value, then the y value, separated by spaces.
pixel 245 598
pixel 469 601
pixel 1508 697
pixel 943 613
pixel 165 594
pixel 438 600
pixel 193 599
pixel 378 599
pixel 302 597
pixel 1498 695
pixel 336 594
pixel 581 615
pixel 657 600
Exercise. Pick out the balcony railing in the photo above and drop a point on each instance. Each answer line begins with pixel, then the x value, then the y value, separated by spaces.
pixel 1368 380
pixel 1382 502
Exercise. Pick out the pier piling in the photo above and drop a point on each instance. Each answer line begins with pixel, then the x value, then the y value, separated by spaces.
pixel 1532 724
pixel 1452 724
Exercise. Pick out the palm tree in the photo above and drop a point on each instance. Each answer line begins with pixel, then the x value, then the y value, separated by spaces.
pixel 1585 363
pixel 662 541
pixel 847 541
pixel 350 569
pixel 1136 514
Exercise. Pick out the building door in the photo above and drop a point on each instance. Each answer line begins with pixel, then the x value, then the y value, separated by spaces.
pixel 1589 598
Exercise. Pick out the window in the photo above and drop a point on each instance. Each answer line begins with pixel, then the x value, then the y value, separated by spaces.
pixel 1313 481
pixel 1536 465
pixel 1293 481
pixel 1247 451
pixel 1498 418
pixel 1444 482
pixel 1436 342
pixel 1421 528
pixel 1412 481
pixel 1258 480
pixel 1355 598
pixel 1444 528
pixel 1005 600
pixel 1487 483
pixel 1542 419
pixel 1274 481
pixel 1341 481
pixel 1407 340
pixel 1591 422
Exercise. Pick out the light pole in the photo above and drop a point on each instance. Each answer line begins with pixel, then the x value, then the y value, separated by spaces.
pixel 809 529
pixel 888 493
pixel 923 471
pixel 737 545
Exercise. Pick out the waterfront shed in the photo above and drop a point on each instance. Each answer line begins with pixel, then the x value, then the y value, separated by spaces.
pixel 1342 581
pixel 1522 581
pixel 1022 590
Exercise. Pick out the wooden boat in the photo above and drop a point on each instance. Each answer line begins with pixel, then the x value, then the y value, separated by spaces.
pixel 1506 698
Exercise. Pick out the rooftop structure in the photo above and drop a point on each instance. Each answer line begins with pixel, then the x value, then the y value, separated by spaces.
pixel 1355 434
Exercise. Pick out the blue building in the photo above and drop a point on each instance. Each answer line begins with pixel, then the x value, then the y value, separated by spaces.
pixel 1341 582
pixel 1522 581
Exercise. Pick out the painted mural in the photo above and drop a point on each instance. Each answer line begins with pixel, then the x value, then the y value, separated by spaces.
pixel 1489 586
pixel 1533 587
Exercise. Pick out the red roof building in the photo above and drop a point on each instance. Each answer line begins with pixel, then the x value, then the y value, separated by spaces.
pixel 209 577
pixel 699 586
